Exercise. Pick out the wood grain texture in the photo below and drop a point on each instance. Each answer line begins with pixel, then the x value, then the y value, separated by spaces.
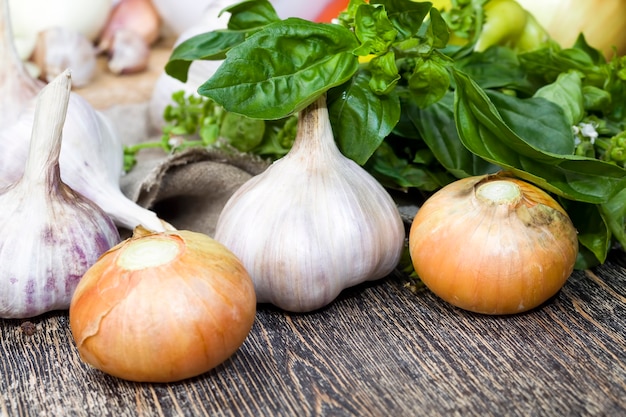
pixel 379 350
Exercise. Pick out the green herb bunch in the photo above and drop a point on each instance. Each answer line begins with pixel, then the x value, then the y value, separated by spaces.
pixel 419 111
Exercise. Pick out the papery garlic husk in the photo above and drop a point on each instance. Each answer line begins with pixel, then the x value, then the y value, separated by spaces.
pixel 92 157
pixel 17 86
pixel 313 224
pixel 60 48
pixel 49 234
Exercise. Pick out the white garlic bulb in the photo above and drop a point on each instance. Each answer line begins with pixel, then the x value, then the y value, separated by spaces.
pixel 313 224
pixel 49 234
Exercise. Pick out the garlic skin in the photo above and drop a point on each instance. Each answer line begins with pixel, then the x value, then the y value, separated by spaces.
pixel 49 234
pixel 92 158
pixel 313 224
pixel 59 48
pixel 17 86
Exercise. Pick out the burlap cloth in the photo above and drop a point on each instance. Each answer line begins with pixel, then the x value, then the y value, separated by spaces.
pixel 188 189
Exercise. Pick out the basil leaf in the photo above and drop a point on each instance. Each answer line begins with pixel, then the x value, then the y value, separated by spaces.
pixel 205 46
pixel 429 81
pixel 567 92
pixel 283 68
pixel 384 72
pixel 496 67
pixel 614 212
pixel 251 15
pixel 246 17
pixel 483 131
pixel 436 127
pixel 438 30
pixel 360 119
pixel 593 232
pixel 396 172
pixel 407 16
pixel 374 30
pixel 550 130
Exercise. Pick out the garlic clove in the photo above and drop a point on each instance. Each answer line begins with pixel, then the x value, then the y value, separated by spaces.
pixel 313 224
pixel 59 48
pixel 129 53
pixel 49 234
pixel 140 16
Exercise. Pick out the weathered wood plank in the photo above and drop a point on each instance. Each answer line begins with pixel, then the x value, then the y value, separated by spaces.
pixel 378 350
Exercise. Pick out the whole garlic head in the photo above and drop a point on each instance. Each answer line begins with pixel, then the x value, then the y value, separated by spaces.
pixel 313 224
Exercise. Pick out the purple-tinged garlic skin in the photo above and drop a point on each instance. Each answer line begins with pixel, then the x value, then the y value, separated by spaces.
pixel 49 234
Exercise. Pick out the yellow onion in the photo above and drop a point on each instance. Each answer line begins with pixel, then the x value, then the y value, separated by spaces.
pixel 493 245
pixel 602 22
pixel 162 307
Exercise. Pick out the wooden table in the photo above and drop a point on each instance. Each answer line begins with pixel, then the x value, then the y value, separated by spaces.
pixel 379 350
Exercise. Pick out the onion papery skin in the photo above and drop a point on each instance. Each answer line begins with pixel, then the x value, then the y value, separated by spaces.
pixel 490 258
pixel 167 322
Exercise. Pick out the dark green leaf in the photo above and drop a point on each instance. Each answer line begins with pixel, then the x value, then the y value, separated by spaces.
pixel 550 130
pixel 497 67
pixel 593 232
pixel 246 17
pixel 283 68
pixel 205 46
pixel 361 119
pixel 566 92
pixel 483 131
pixel 614 212
pixel 396 172
pixel 436 126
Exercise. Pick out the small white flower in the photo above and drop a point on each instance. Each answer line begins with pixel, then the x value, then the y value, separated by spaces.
pixel 588 130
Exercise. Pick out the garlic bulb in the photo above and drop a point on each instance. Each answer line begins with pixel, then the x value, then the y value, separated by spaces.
pixel 50 235
pixel 59 48
pixel 17 87
pixel 313 224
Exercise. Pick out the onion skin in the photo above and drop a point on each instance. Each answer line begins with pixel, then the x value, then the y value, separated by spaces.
pixel 163 323
pixel 492 258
